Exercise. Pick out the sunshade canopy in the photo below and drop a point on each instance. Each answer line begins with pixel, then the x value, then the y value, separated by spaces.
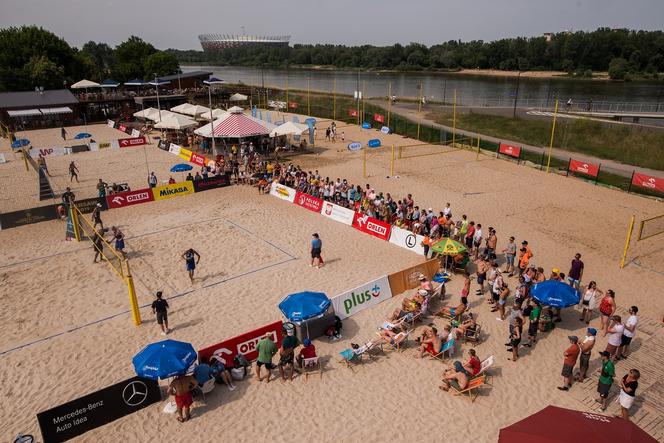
pixel 447 246
pixel 304 305
pixel 289 128
pixel 175 121
pixel 164 359
pixel 85 84
pixel 135 82
pixel 108 83
pixel 147 113
pixel 236 125
pixel 555 293
pixel 238 97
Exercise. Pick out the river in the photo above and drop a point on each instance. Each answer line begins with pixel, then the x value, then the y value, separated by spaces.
pixel 470 89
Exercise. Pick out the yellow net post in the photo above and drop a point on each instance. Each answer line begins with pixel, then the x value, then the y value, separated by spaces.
pixel 74 220
pixel 392 162
pixel 629 237
pixel 135 312
pixel 477 157
pixel 553 131
pixel 25 159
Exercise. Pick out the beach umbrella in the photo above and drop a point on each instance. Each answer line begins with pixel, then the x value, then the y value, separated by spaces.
pixel 304 305
pixel 447 246
pixel 84 84
pixel 238 97
pixel 20 142
pixel 159 82
pixel 164 359
pixel 82 135
pixel 214 81
pixel 135 82
pixel 175 121
pixel 181 167
pixel 555 293
pixel 108 83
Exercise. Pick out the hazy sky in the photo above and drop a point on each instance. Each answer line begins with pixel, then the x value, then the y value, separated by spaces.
pixel 177 23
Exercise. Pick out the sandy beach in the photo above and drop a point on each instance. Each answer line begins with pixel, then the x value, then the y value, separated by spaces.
pixel 66 329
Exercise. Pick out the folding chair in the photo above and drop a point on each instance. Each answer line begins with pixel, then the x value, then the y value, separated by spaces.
pixel 447 347
pixel 469 391
pixel 484 367
pixel 311 366
pixel 398 342
pixel 473 336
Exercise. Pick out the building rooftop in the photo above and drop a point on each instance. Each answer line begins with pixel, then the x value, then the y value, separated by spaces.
pixel 32 99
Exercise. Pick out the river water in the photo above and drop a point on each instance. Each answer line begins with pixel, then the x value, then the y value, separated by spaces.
pixel 471 90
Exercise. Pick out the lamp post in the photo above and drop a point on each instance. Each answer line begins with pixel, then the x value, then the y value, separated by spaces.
pixel 516 95
pixel 210 82
pixel 156 86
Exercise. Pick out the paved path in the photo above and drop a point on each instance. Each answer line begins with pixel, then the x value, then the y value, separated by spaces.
pixel 408 111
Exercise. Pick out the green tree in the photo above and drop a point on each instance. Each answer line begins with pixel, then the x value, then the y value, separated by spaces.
pixel 618 68
pixel 43 72
pixel 101 56
pixel 161 63
pixel 129 59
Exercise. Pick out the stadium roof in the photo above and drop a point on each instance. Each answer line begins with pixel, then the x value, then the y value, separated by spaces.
pixel 32 99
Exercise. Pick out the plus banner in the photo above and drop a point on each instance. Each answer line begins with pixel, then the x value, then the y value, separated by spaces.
pixel 648 182
pixel 244 344
pixel 509 150
pixel 131 142
pixel 371 226
pixel 579 167
pixel 307 201
pixel 357 299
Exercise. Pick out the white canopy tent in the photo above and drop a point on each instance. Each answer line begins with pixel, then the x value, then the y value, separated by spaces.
pixel 289 128
pixel 216 113
pixel 182 109
pixel 238 97
pixel 148 114
pixel 235 110
pixel 197 110
pixel 175 121
pixel 83 84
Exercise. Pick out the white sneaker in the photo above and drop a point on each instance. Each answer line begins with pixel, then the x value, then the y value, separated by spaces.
pixel 231 387
pixel 163 333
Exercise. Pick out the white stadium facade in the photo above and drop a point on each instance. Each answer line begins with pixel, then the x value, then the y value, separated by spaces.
pixel 218 42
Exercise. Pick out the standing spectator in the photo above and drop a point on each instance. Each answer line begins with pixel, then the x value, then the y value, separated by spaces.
pixel 160 309
pixel 181 388
pixel 607 307
pixel 287 354
pixel 63 133
pixel 266 350
pixel 615 331
pixel 470 232
pixel 316 249
pixel 571 354
pixel 628 387
pixel 73 172
pixel 584 359
pixel 191 258
pixel 606 375
pixel 477 239
pixel 515 338
pixel 101 188
pixel 510 254
pixel 189 177
pixel 152 180
pixel 96 216
pixel 575 273
pixel 589 301
pixel 491 243
pixel 118 237
pixel 628 333
pixel 534 311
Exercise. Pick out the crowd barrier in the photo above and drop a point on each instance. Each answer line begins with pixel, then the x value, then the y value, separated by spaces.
pixel 242 344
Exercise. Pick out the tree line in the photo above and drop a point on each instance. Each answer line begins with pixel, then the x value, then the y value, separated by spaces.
pixel 31 56
pixel 624 53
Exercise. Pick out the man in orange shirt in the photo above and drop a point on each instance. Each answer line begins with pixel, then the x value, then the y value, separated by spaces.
pixel 571 354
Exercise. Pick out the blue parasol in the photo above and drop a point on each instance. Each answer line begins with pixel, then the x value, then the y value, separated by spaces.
pixel 20 142
pixel 135 82
pixel 181 167
pixel 164 359
pixel 556 294
pixel 82 135
pixel 108 83
pixel 304 305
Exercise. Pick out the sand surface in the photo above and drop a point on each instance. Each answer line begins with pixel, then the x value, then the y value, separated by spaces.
pixel 255 251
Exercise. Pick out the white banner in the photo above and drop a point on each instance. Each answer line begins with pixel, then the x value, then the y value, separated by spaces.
pixel 338 213
pixel 174 149
pixel 94 146
pixel 135 133
pixel 46 152
pixel 115 144
pixel 369 294
pixel 283 192
pixel 2 158
pixel 406 239
pixel 110 123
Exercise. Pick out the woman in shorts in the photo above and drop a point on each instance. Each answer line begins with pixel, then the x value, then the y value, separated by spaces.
pixel 589 301
pixel 515 338
pixel 118 237
pixel 607 307
pixel 628 387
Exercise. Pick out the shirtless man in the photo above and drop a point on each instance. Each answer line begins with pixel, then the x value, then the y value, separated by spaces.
pixel 482 267
pixel 430 342
pixel 453 378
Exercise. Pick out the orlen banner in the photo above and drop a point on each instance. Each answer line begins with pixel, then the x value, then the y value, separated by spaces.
pixel 197 159
pixel 242 344
pixel 283 192
pixel 174 190
pixel 512 151
pixel 307 201
pixel 129 198
pixel 369 294
pixel 338 213
pixel 406 239
pixel 578 167
pixel 371 226
pixel 130 142
pixel 648 182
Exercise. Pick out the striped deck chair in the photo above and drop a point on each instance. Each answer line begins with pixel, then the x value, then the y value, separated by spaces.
pixel 470 391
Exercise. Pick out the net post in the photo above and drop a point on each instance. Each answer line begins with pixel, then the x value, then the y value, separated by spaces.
pixel 364 163
pixel 135 312
pixel 25 160
pixel 629 237
pixel 477 157
pixel 74 220
pixel 392 162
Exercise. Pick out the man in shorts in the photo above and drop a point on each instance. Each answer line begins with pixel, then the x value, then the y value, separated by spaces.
pixel 534 311
pixel 570 355
pixel 287 354
pixel 316 249
pixel 510 254
pixel 584 358
pixel 181 388
pixel 605 379
pixel 483 266
pixel 160 309
pixel 266 350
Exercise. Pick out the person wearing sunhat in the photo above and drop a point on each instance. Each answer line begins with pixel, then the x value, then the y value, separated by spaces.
pixel 570 355
pixel 605 379
pixel 584 358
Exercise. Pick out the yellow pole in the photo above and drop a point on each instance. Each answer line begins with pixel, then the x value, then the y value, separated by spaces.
pixel 389 104
pixel 74 221
pixel 25 159
pixel 629 237
pixel 553 131
pixel 400 151
pixel 419 111
pixel 478 149
pixel 454 121
pixel 308 97
pixel 392 163
pixel 334 99
pixel 135 312
pixel 364 163
pixel 364 83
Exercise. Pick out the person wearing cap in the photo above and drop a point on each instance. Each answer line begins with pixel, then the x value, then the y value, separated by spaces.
pixel 605 379
pixel 266 350
pixel 96 216
pixel 287 354
pixel 308 351
pixel 584 358
pixel 316 249
pixel 160 309
pixel 570 355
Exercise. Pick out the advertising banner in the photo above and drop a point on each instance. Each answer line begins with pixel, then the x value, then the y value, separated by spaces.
pixel 307 201
pixel 197 159
pixel 174 190
pixel 88 205
pixel 380 118
pixel 579 167
pixel 385 130
pixel 46 152
pixel 242 344
pixel 91 411
pixel 352 112
pixel 357 299
pixel 354 146
pixel 122 127
pixel 406 239
pixel 366 125
pixel 110 123
pixel 283 192
pixel 509 150
pixel 373 143
pixel 409 278
pixel 163 145
pixel 185 154
pixel 371 226
pixel 174 149
pixel 293 105
pixel 130 142
pixel 129 198
pixel 648 182
pixel 218 181
pixel 28 216
pixel 135 133
pixel 338 213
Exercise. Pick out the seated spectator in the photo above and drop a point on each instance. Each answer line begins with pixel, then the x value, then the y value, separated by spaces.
pixel 429 342
pixel 470 368
pixel 467 327
pixel 221 374
pixel 458 379
pixel 453 311
pixel 308 351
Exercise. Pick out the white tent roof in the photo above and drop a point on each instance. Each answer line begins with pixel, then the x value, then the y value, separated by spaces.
pixel 216 113
pixel 235 110
pixel 238 97
pixel 206 130
pixel 196 110
pixel 182 109
pixel 147 113
pixel 289 128
pixel 85 84
pixel 175 121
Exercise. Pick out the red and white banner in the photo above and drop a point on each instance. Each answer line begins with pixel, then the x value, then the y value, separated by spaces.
pixel 47 152
pixel 198 159
pixel 283 192
pixel 122 128
pixel 585 168
pixel 352 112
pixel 130 142
pixel 307 201
pixel 371 226
pixel 512 151
pixel 648 182
pixel 129 198
pixel 338 213
pixel 380 118
pixel 242 344
pixel 292 105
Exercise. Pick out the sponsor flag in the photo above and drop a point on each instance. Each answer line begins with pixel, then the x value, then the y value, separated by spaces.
pixel 648 182
pixel 579 167
pixel 352 112
pixel 292 105
pixel 509 150
pixel 380 118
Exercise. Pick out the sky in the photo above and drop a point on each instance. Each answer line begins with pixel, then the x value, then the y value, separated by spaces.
pixel 176 24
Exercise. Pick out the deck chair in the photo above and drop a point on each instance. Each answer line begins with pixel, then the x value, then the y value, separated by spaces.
pixel 206 388
pixel 484 367
pixel 311 366
pixel 353 357
pixel 447 347
pixel 473 336
pixel 469 391
pixel 398 342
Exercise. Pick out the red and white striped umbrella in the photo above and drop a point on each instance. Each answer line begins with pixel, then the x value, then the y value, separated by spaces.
pixel 238 125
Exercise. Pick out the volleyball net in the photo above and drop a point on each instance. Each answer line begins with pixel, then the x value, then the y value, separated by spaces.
pixel 651 227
